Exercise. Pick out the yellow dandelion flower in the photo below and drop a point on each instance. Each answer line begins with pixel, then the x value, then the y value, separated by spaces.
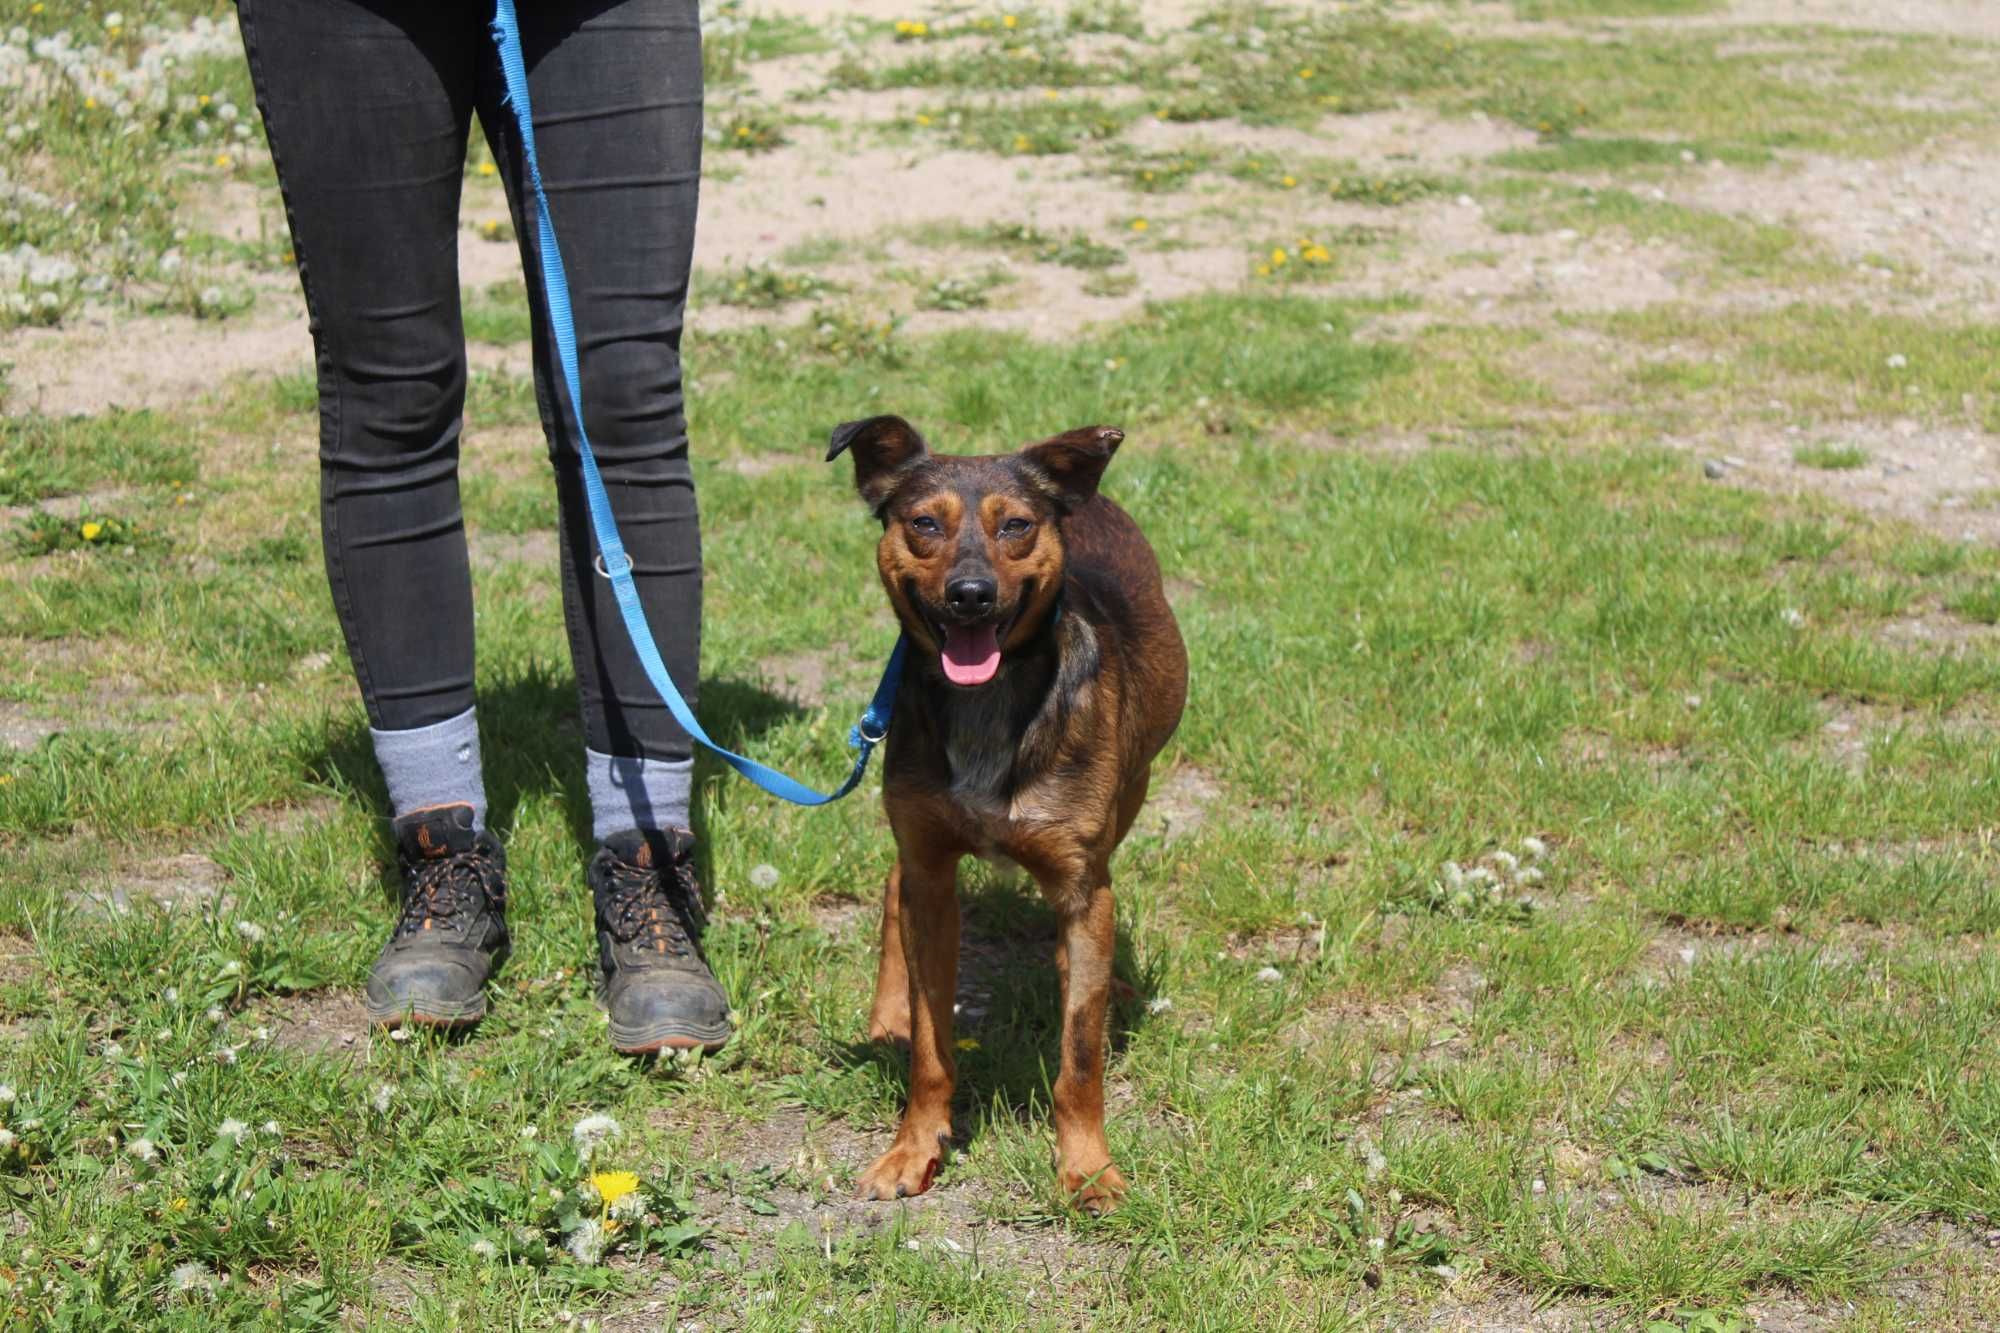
pixel 919 29
pixel 1020 143
pixel 1278 257
pixel 742 131
pixel 1263 270
pixel 1289 181
pixel 6 778
pixel 1316 254
pixel 1306 73
pixel 115 29
pixel 1051 94
pixel 37 7
pixel 1008 21
pixel 178 1205
pixel 903 27
pixel 922 119
pixel 92 531
pixel 614 1185
pixel 1161 114
pixel 224 161
pixel 1138 224
pixel 90 104
pixel 968 1043
pixel 488 169
pixel 202 100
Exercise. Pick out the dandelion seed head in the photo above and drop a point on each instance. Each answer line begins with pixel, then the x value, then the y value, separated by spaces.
pixel 586 1243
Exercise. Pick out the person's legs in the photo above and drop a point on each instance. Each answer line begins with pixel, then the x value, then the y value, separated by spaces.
pixel 367 106
pixel 616 87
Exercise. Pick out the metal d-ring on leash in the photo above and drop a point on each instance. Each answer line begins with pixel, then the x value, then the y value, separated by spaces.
pixel 613 562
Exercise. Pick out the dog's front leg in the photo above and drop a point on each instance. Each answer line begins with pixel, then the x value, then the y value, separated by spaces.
pixel 1084 953
pixel 889 1019
pixel 927 921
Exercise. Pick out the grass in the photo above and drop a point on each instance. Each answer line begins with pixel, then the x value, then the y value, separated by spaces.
pixel 1570 888
pixel 1519 634
pixel 1831 457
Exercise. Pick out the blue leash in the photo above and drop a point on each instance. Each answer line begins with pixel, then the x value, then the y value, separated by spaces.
pixel 612 560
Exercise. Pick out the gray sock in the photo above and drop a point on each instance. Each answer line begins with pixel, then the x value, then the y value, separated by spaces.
pixel 434 765
pixel 631 793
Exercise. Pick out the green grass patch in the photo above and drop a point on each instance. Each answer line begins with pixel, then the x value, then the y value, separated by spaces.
pixel 1829 457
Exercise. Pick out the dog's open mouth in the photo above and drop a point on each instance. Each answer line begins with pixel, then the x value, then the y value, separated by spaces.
pixel 971 653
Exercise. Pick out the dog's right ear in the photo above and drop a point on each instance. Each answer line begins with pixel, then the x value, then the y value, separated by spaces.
pixel 884 449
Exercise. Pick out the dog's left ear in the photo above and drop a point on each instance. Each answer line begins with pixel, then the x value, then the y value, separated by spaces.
pixel 884 448
pixel 1072 463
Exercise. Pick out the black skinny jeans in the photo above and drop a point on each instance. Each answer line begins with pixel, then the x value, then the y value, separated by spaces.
pixel 367 105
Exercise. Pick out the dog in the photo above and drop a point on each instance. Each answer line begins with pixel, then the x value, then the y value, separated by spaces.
pixel 1045 672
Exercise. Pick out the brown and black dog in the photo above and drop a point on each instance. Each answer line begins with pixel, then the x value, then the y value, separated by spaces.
pixel 1045 672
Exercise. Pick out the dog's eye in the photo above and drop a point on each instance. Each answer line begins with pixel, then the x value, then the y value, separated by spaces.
pixel 1015 527
pixel 925 524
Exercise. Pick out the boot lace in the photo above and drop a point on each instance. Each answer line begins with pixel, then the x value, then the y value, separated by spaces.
pixel 438 890
pixel 654 907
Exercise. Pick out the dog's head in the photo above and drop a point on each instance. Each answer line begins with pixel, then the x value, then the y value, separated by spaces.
pixel 972 548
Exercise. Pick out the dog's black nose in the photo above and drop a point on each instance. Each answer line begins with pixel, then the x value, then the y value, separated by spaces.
pixel 971 598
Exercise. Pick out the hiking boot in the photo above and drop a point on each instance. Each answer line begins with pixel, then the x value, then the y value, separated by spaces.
pixel 651 976
pixel 453 929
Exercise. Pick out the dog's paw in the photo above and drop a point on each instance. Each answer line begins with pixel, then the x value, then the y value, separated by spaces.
pixel 901 1172
pixel 1095 1192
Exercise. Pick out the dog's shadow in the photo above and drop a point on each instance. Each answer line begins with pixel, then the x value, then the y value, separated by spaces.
pixel 1009 1022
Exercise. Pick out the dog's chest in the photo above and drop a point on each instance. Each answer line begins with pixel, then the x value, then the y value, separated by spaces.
pixel 979 745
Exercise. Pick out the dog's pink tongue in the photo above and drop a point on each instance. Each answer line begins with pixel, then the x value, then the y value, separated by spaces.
pixel 971 655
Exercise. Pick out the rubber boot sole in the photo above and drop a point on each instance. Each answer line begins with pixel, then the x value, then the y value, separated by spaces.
pixel 668 1036
pixel 432 1014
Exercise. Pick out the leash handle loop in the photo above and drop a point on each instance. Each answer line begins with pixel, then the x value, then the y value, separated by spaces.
pixel 612 560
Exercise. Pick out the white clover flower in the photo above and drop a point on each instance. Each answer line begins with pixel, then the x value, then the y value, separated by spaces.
pixel 399 1034
pixel 1159 1004
pixel 1535 848
pixel 225 1055
pixel 1507 862
pixel 114 20
pixel 1532 875
pixel 529 1131
pixel 143 1149
pixel 270 1127
pixel 6 1094
pixel 210 298
pixel 250 931
pixel 1793 618
pixel 586 1243
pixel 262 1033
pixel 232 967
pixel 485 1249
pixel 1269 975
pixel 191 1277
pixel 226 112
pixel 383 1095
pixel 215 1014
pixel 7 1139
pixel 592 1131
pixel 233 1128
pixel 172 995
